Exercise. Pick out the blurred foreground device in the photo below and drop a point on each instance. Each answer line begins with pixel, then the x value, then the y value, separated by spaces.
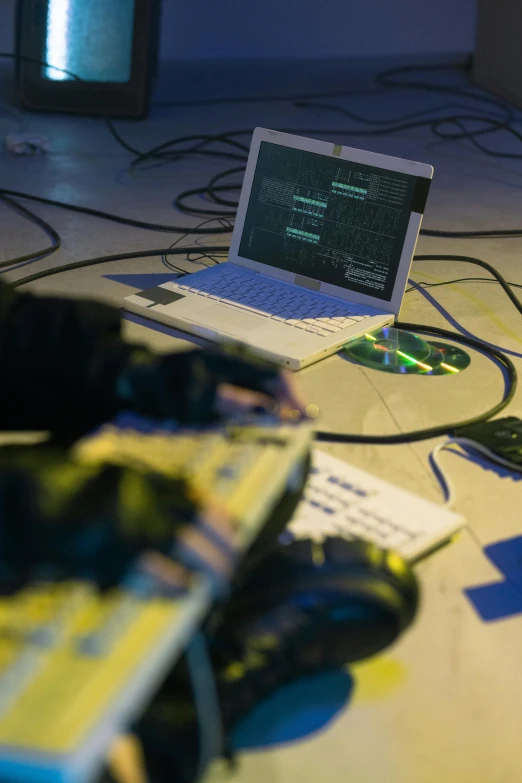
pixel 110 45
pixel 78 664
pixel 498 48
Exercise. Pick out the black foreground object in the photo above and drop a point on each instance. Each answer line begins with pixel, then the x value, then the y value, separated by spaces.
pixel 306 608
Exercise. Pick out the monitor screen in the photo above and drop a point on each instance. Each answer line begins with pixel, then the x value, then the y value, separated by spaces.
pixel 91 39
pixel 327 218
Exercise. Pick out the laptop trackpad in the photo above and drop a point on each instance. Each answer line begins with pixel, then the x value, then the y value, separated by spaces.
pixel 227 319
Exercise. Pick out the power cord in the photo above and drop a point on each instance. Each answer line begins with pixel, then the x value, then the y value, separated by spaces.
pixel 160 227
pixel 163 152
pixel 106 259
pixel 41 223
pixel 477 262
pixel 471 445
pixel 385 79
pixel 224 224
pixel 425 284
pixel 437 124
pixel 445 429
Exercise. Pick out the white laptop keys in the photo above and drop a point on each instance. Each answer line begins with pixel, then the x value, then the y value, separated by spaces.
pixel 320 253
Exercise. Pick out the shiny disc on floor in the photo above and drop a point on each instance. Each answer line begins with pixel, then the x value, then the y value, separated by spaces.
pixel 393 350
pixel 452 359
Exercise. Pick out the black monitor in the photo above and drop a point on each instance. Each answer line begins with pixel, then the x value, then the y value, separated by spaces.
pixel 110 46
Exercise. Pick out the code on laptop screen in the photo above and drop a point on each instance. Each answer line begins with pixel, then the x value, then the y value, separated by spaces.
pixel 334 220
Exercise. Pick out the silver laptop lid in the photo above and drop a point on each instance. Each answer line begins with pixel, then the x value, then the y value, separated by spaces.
pixel 330 218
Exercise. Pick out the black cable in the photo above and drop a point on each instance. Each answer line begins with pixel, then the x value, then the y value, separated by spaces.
pixel 269 98
pixel 165 152
pixel 492 125
pixel 117 136
pixel 148 226
pixel 436 125
pixel 108 215
pixel 472 136
pixel 106 259
pixel 198 259
pixel 210 191
pixel 492 234
pixel 383 77
pixel 175 268
pixel 493 352
pixel 121 141
pixel 380 122
pixel 477 262
pixel 41 223
pixel 180 201
pixel 385 80
pixel 172 157
pixel 35 61
pixel 444 429
pixel 211 187
pixel 425 284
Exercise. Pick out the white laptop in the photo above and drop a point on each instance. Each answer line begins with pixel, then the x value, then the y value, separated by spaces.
pixel 320 253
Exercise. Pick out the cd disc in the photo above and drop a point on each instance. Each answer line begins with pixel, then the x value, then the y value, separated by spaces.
pixel 452 359
pixel 393 350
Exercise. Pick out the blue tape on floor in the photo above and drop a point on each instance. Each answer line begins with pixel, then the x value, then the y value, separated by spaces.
pixel 294 712
pixel 496 601
pixel 507 557
pixel 143 281
pixel 500 600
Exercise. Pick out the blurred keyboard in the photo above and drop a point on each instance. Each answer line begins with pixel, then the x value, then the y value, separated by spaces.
pixel 76 666
pixel 342 500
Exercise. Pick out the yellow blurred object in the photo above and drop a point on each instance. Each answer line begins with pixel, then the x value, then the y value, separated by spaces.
pixel 126 761
pixel 76 664
pixel 377 678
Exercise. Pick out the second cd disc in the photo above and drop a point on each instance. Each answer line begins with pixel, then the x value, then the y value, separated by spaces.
pixel 392 350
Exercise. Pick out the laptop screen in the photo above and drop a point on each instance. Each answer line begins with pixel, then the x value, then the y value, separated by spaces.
pixel 330 219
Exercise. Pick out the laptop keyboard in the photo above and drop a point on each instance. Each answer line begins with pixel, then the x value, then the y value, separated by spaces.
pixel 256 294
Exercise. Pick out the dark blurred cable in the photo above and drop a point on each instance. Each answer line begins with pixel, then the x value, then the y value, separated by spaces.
pixel 158 252
pixel 41 223
pixel 108 215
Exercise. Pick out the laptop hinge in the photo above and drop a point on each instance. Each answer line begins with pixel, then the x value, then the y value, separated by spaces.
pixel 305 282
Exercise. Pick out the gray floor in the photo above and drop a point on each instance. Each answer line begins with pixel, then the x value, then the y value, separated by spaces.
pixel 444 703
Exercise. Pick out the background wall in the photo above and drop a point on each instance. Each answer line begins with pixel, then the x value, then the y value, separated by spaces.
pixel 303 28
pixel 316 28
